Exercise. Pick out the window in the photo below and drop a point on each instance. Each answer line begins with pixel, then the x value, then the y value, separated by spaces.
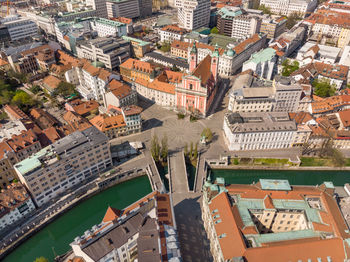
pixel 191 86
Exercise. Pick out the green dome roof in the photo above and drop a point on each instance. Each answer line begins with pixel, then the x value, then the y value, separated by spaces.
pixel 230 52
pixel 98 64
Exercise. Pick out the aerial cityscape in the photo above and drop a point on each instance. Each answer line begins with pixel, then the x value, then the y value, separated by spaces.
pixel 174 130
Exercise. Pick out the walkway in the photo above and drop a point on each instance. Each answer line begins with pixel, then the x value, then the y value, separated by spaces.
pixel 179 182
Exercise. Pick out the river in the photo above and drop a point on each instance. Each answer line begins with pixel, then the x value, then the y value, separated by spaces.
pixel 295 177
pixel 56 237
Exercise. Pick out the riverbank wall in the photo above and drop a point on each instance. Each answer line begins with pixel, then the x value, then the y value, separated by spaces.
pixel 125 176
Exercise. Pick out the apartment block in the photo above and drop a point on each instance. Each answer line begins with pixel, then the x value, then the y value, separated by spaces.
pixel 123 8
pixel 67 162
pixel 99 6
pixel 107 27
pixel 238 22
pixel 132 69
pixel 287 7
pixel 15 204
pixel 273 27
pixel 107 50
pixel 258 130
pixel 193 14
pixel 272 220
pixel 138 47
pixel 144 231
pixel 20 27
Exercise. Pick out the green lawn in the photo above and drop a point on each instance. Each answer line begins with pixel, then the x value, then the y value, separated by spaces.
pixel 315 161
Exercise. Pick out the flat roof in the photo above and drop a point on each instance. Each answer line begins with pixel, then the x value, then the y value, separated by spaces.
pixel 275 184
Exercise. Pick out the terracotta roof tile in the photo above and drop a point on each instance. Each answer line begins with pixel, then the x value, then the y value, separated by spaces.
pixel 138 65
pixel 104 123
pixel 174 29
pixel 52 82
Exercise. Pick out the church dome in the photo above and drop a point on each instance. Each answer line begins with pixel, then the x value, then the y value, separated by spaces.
pixel 230 52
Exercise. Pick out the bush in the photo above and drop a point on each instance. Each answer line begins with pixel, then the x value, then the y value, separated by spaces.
pixel 180 116
pixel 193 118
pixel 35 89
pixel 235 161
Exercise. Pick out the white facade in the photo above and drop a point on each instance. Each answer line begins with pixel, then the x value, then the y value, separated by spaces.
pixel 90 86
pixel 245 26
pixel 262 63
pixel 193 14
pixel 288 95
pixel 106 27
pixel 264 132
pixel 110 51
pixel 67 162
pixel 164 99
pixel 287 7
pixel 16 214
pixel 123 8
pixel 321 53
pixel 20 27
pixel 345 58
pixel 168 34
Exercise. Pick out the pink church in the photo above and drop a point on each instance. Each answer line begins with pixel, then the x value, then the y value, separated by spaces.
pixel 198 88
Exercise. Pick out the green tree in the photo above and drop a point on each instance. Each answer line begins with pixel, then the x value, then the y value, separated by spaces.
pixel 35 89
pixel 214 30
pixel 195 152
pixel 289 68
pixel 165 47
pixel 155 148
pixel 208 134
pixel 256 4
pixel 23 100
pixel 165 148
pixel 265 9
pixel 292 19
pixel 3 116
pixel 41 259
pixel 65 89
pixel 323 88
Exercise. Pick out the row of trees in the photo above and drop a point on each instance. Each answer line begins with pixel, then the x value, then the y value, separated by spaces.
pixel 160 150
pixel 192 153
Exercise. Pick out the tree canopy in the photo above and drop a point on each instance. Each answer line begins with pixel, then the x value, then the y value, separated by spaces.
pixel 214 30
pixel 292 19
pixel 41 259
pixel 289 68
pixel 23 100
pixel 265 9
pixel 165 47
pixel 65 89
pixel 323 88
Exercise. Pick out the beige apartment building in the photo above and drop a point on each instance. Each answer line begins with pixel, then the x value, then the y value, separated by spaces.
pixel 65 163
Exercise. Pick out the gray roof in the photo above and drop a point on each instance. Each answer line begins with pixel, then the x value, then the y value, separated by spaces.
pixel 74 142
pixel 250 122
pixel 11 50
pixel 118 235
pixel 157 56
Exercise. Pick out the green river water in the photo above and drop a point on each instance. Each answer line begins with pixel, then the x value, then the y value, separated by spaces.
pixel 295 177
pixel 56 236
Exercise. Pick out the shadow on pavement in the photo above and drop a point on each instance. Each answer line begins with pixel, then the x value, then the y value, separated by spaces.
pixel 192 236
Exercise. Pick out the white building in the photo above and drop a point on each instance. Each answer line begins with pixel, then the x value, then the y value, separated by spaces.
pixel 262 63
pixel 108 50
pixel 123 8
pixel 287 7
pixel 119 95
pixel 91 81
pixel 105 27
pixel 67 162
pixel 20 27
pixel 288 94
pixel 13 127
pixel 193 14
pixel 258 130
pixel 170 33
pixel 345 57
pixel 311 52
pixel 15 204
